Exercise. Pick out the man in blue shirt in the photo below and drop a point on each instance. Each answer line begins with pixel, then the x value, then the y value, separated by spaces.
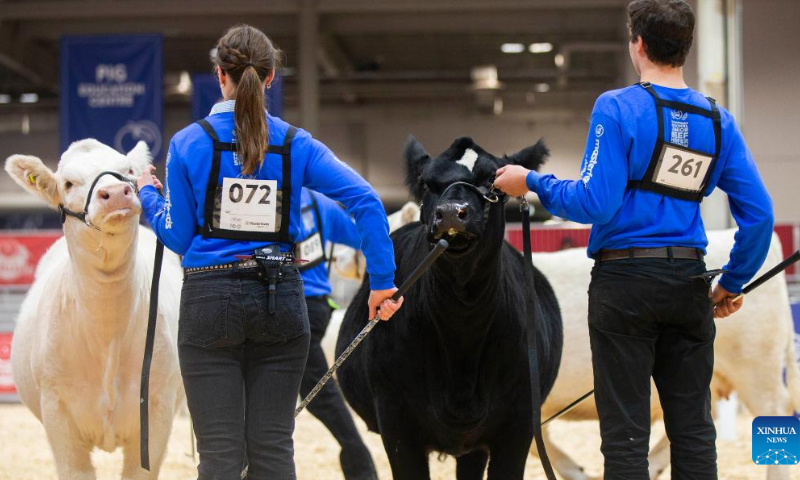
pixel 323 220
pixel 654 151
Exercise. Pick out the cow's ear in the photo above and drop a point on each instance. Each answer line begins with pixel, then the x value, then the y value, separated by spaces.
pixel 416 159
pixel 31 174
pixel 531 157
pixel 140 158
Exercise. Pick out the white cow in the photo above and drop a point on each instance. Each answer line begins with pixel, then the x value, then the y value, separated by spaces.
pixel 78 345
pixel 751 349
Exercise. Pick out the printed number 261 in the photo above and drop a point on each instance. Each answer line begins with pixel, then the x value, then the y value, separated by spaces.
pixel 686 168
pixel 236 193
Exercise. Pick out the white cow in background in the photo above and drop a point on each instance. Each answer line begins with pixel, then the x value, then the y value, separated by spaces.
pixel 78 345
pixel 751 349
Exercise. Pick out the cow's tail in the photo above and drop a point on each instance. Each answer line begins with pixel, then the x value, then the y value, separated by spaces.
pixel 792 368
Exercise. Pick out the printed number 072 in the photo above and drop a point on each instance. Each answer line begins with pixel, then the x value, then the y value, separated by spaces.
pixel 686 168
pixel 236 193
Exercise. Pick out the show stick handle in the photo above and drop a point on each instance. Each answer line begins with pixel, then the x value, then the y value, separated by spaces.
pixel 439 249
pixel 773 271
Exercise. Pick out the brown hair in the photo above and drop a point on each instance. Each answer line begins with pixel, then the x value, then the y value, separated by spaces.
pixel 248 56
pixel 666 28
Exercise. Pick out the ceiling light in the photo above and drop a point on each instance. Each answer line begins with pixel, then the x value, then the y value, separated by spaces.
pixel 5 98
pixel 560 60
pixel 512 48
pixel 542 87
pixel 543 47
pixel 28 98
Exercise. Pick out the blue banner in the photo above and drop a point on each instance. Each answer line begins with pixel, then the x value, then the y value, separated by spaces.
pixel 205 93
pixel 112 90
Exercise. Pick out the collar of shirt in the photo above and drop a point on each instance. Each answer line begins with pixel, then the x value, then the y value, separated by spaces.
pixel 223 107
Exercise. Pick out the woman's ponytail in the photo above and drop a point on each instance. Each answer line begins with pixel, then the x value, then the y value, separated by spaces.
pixel 249 58
pixel 252 136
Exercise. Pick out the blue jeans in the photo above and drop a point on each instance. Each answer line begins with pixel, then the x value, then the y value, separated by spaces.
pixel 241 368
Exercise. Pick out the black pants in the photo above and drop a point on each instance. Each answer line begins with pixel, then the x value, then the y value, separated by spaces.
pixel 241 366
pixel 328 406
pixel 648 318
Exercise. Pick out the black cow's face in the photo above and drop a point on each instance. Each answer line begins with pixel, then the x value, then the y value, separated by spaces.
pixel 458 212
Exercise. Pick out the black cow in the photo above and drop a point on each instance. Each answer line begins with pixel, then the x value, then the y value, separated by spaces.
pixel 449 371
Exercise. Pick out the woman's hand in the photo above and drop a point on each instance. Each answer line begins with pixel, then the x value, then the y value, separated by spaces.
pixel 511 179
pixel 724 303
pixel 147 178
pixel 383 299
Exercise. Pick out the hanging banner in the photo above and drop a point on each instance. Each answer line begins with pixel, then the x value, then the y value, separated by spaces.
pixel 112 90
pixel 21 252
pixel 205 93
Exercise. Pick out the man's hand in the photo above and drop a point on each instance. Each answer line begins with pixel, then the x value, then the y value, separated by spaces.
pixel 511 179
pixel 383 299
pixel 724 305
pixel 147 178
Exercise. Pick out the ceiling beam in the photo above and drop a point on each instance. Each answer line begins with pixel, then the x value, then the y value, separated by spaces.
pixel 72 9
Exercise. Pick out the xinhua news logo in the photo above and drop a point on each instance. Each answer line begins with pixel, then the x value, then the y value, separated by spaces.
pixel 776 440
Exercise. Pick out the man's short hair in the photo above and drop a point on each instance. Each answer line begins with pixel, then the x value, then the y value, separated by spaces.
pixel 665 26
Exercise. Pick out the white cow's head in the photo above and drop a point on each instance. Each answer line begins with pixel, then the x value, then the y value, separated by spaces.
pixel 113 207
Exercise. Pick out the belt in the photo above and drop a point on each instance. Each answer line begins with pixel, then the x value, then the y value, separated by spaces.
pixel 660 252
pixel 240 265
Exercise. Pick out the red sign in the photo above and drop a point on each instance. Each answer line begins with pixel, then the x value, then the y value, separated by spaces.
pixel 20 253
pixel 6 379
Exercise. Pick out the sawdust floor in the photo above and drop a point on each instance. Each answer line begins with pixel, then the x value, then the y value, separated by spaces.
pixel 25 455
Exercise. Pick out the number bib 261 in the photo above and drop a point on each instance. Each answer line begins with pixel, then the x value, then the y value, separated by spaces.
pixel 248 205
pixel 682 168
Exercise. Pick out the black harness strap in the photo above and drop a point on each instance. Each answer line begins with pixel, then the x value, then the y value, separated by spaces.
pixel 533 358
pixel 285 151
pixel 144 389
pixel 647 182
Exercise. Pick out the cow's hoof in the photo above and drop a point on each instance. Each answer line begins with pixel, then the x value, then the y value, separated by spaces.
pixel 357 463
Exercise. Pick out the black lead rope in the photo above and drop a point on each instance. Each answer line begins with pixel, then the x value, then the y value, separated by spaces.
pixel 533 358
pixel 144 389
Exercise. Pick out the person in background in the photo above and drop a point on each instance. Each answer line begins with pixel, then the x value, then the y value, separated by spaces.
pixel 325 221
pixel 655 150
pixel 231 207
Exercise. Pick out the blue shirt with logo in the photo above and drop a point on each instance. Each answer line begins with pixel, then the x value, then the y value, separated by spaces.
pixel 337 227
pixel 621 139
pixel 176 217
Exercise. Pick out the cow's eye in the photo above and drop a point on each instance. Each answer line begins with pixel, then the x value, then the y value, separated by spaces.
pixel 67 185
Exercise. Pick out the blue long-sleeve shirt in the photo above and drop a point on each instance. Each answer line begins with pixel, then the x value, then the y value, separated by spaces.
pixel 337 227
pixel 622 136
pixel 176 217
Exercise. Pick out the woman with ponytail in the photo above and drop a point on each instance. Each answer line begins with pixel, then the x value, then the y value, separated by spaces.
pixel 231 208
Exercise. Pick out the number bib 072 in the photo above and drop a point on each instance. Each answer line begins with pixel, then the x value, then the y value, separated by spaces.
pixel 248 205
pixel 682 168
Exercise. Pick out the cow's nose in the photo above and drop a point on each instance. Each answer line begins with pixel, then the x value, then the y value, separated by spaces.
pixel 118 191
pixel 451 216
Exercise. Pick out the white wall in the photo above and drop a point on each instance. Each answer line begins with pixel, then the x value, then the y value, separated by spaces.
pixel 771 123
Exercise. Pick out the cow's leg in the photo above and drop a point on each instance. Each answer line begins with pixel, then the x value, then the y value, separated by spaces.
pixel 509 453
pixel 659 458
pixel 71 453
pixel 472 465
pixel 562 463
pixel 160 424
pixel 407 456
